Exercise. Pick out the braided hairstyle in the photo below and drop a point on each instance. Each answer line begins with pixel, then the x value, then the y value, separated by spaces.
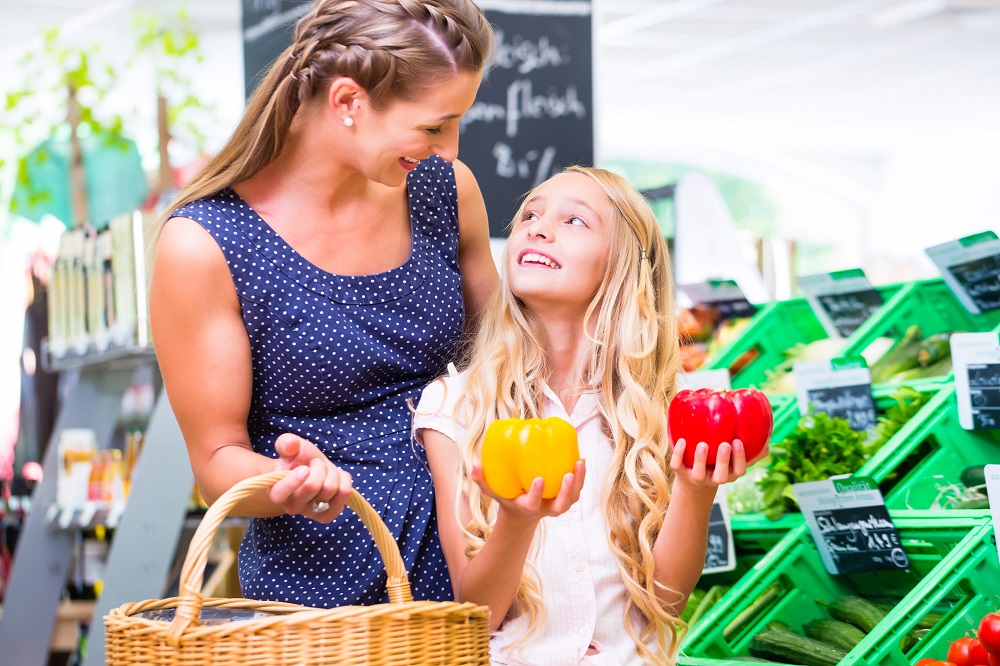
pixel 394 49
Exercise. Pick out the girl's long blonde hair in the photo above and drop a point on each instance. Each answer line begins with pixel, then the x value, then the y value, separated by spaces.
pixel 632 368
pixel 394 49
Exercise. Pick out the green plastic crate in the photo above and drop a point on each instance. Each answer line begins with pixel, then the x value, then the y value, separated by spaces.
pixel 930 304
pixel 794 564
pixel 930 453
pixel 776 327
pixel 881 466
pixel 963 587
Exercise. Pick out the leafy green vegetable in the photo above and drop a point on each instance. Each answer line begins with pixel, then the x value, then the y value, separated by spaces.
pixel 821 446
pixel 908 403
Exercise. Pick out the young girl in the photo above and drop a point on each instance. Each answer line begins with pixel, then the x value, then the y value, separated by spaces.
pixel 583 328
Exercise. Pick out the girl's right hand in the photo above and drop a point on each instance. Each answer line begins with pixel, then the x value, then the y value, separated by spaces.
pixel 316 488
pixel 531 506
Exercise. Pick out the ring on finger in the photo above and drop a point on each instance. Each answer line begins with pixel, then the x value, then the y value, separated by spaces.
pixel 321 506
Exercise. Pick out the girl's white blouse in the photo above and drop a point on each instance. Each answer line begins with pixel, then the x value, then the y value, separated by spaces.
pixel 581 583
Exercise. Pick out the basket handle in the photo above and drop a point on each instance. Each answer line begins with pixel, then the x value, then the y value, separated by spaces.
pixel 193 571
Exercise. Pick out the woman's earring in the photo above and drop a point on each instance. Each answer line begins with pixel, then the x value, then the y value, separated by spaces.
pixel 349 122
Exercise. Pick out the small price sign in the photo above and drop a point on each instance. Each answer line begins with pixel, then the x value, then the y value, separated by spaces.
pixel 841 388
pixel 717 380
pixel 724 296
pixel 993 493
pixel 842 300
pixel 850 525
pixel 721 553
pixel 971 267
pixel 976 357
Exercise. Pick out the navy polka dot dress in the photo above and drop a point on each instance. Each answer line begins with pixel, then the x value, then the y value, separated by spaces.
pixel 335 359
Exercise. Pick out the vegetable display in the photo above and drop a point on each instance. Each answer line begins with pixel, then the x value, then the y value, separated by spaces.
pixel 517 451
pixel 715 417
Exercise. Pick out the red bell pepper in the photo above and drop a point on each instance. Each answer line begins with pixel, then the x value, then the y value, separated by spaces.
pixel 714 417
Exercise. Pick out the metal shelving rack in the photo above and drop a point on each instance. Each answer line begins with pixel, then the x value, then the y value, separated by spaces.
pixel 145 539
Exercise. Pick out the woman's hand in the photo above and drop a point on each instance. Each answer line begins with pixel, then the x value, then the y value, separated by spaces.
pixel 730 464
pixel 316 488
pixel 531 507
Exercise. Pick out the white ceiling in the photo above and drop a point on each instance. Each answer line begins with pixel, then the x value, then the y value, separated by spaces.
pixel 679 76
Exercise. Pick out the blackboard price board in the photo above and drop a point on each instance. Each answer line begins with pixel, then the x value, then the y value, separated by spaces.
pixel 971 267
pixel 976 358
pixel 268 29
pixel 721 553
pixel 851 526
pixel 842 301
pixel 723 296
pixel 981 281
pixel 534 114
pixel 841 388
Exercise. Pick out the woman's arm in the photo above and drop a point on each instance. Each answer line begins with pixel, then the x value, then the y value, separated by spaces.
pixel 475 258
pixel 492 576
pixel 203 351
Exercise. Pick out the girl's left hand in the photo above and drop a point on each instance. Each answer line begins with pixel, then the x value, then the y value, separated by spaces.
pixel 730 463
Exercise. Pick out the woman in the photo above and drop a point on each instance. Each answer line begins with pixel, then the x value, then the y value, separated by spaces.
pixel 314 276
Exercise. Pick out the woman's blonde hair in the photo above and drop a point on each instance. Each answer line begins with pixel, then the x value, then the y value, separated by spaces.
pixel 395 49
pixel 632 368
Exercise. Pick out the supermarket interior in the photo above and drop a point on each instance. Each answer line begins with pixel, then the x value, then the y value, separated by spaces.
pixel 822 175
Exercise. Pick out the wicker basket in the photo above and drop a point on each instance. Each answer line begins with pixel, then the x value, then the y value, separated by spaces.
pixel 400 632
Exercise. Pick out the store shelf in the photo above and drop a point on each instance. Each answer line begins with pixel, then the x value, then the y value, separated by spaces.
pixel 113 354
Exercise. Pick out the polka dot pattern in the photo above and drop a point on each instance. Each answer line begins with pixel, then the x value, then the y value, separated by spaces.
pixel 335 359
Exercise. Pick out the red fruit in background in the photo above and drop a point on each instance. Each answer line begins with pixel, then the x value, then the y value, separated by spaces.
pixel 714 417
pixel 989 633
pixel 994 659
pixel 926 661
pixel 968 652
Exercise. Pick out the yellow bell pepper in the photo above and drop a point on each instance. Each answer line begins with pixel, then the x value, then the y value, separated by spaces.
pixel 517 451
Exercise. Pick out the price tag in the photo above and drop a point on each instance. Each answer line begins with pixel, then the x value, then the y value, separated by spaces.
pixel 842 300
pixel 724 296
pixel 841 388
pixel 850 525
pixel 721 553
pixel 976 357
pixel 717 380
pixel 971 267
pixel 993 493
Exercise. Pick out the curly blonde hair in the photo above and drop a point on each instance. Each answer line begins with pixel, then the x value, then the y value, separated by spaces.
pixel 632 368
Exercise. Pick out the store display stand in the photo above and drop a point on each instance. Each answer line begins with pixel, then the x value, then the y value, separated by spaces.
pixel 145 539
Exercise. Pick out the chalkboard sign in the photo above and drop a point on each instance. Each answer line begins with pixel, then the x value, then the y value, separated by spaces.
pixel 534 111
pixel 976 357
pixel 268 29
pixel 851 526
pixel 842 300
pixel 854 404
pixel 971 267
pixel 723 296
pixel 841 388
pixel 984 391
pixel 720 555
pixel 980 279
pixel 849 311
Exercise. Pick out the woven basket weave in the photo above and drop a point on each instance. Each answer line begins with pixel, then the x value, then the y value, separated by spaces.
pixel 402 631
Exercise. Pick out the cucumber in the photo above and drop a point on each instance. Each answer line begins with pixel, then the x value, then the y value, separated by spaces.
pixel 926 622
pixel 862 613
pixel 741 621
pixel 974 476
pixel 778 625
pixel 839 634
pixel 794 649
pixel 934 349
